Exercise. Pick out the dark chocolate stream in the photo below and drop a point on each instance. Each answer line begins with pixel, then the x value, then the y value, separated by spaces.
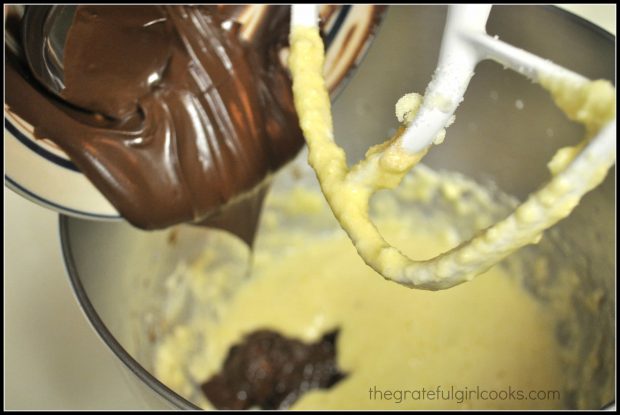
pixel 169 112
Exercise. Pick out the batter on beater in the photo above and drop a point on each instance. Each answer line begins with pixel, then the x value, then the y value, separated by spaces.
pixel 348 191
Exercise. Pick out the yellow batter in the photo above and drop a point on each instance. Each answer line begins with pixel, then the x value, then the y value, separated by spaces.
pixel 489 334
pixel 348 191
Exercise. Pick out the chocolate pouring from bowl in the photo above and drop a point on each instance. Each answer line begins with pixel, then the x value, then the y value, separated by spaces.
pixel 192 110
pixel 356 23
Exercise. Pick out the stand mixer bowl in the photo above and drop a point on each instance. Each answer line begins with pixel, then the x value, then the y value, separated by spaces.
pixel 505 131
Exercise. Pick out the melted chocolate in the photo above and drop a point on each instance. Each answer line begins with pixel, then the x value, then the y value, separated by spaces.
pixel 271 371
pixel 178 114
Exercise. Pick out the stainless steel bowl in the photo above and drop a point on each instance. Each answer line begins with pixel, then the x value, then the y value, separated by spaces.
pixel 505 131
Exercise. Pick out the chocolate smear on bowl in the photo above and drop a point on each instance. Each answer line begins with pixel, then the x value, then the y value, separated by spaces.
pixel 270 371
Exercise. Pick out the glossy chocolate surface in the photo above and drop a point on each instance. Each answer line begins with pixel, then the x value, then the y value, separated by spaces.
pixel 168 110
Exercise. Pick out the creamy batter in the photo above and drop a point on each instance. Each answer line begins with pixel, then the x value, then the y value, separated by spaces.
pixel 308 279
pixel 348 191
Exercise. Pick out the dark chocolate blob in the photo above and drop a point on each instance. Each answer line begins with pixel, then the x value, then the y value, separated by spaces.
pixel 270 371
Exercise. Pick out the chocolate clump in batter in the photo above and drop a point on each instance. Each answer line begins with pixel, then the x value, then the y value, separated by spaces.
pixel 271 371
pixel 168 110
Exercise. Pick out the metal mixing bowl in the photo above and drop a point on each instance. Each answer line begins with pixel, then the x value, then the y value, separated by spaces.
pixel 505 131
